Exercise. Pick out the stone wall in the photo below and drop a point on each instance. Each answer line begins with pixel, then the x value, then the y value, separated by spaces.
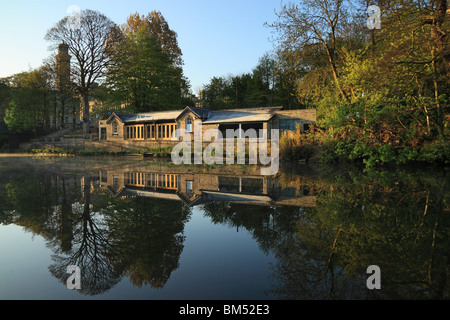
pixel 80 144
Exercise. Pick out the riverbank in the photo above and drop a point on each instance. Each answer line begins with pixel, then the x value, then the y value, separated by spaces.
pixel 15 155
pixel 324 148
pixel 317 148
pixel 55 150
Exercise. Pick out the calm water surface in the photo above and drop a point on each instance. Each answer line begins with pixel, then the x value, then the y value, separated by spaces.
pixel 140 229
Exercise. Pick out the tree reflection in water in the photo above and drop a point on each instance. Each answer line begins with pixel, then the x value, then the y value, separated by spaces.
pixel 396 219
pixel 107 238
pixel 138 238
pixel 91 246
pixel 147 239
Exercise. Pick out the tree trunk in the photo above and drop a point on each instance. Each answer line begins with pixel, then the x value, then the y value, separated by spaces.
pixel 86 120
pixel 74 118
pixel 330 54
pixel 62 112
pixel 55 112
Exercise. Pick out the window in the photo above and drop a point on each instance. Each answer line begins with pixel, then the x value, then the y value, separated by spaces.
pixel 289 124
pixel 189 124
pixel 189 189
pixel 152 132
pixel 135 132
pixel 104 176
pixel 114 127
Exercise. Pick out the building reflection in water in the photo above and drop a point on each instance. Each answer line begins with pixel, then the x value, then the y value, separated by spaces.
pixel 200 188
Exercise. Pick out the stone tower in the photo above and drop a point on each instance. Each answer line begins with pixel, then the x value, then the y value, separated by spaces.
pixel 63 68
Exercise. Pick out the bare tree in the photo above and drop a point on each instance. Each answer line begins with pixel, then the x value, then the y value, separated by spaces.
pixel 313 23
pixel 87 43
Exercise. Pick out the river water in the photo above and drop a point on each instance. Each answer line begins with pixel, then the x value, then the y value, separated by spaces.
pixel 147 229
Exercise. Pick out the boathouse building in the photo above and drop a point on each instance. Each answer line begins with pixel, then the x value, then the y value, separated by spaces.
pixel 144 129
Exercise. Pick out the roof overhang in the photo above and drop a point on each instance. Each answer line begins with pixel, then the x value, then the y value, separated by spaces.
pixel 189 109
pixel 111 118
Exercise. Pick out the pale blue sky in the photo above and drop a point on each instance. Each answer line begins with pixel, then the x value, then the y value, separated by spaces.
pixel 217 37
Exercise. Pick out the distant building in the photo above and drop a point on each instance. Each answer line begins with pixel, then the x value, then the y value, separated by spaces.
pixel 160 126
pixel 68 102
pixel 63 68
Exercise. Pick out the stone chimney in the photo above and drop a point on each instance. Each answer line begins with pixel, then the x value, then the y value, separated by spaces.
pixel 63 68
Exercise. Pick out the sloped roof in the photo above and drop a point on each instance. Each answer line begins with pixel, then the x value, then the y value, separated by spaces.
pixel 218 116
pixel 154 116
pixel 304 114
pixel 122 117
pixel 242 115
pixel 147 116
pixel 199 112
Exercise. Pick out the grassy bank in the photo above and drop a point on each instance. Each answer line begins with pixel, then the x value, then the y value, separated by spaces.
pixel 49 149
pixel 322 147
pixel 156 152
pixel 314 147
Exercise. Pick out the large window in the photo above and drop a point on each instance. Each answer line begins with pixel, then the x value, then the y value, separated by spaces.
pixel 289 124
pixel 135 132
pixel 166 131
pixel 114 127
pixel 150 131
pixel 248 129
pixel 189 124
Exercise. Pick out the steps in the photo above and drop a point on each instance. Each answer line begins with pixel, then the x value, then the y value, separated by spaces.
pixel 52 137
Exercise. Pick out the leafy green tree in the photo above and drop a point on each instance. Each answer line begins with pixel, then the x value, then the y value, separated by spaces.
pixel 5 93
pixel 381 94
pixel 145 74
pixel 30 97
pixel 214 94
pixel 17 120
pixel 268 84
pixel 155 26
